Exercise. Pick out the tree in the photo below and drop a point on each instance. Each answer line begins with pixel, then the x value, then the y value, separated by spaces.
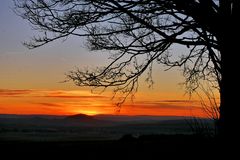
pixel 139 32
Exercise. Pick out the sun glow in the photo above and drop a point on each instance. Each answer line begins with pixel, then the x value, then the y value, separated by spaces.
pixel 68 102
pixel 88 112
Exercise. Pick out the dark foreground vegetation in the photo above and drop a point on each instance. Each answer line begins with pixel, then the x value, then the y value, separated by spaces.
pixel 128 147
pixel 104 137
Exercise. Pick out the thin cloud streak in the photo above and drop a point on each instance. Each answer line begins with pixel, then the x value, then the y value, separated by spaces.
pixel 168 104
pixel 177 101
pixel 77 101
pixel 49 94
pixel 10 93
pixel 156 105
pixel 80 97
pixel 50 104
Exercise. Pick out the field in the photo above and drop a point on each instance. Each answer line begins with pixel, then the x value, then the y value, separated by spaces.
pixel 102 137
pixel 82 127
pixel 144 147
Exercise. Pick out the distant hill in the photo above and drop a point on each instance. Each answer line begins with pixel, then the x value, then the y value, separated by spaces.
pixel 78 120
pixel 86 120
pixel 80 117
pixel 20 116
pixel 138 118
pixel 102 117
pixel 85 127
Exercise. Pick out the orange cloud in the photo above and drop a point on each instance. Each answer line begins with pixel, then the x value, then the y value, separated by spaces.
pixel 79 97
pixel 177 101
pixel 49 94
pixel 164 108
pixel 77 101
pixel 50 104
pixel 8 92
pixel 172 104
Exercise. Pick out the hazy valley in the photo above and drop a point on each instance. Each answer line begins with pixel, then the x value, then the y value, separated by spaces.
pixel 83 127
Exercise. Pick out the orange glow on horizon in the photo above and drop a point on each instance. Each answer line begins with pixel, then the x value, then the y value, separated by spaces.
pixel 88 112
pixel 63 102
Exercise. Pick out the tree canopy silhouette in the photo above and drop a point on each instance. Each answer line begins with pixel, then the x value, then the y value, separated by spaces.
pixel 139 32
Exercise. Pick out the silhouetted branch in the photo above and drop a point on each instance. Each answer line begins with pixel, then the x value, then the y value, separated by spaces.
pixel 211 109
pixel 137 32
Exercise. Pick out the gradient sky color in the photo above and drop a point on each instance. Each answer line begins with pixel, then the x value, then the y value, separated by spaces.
pixel 30 80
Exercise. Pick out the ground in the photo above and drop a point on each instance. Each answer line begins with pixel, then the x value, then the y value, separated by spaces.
pixel 128 147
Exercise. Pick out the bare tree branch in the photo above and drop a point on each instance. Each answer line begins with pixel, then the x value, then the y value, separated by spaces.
pixel 137 33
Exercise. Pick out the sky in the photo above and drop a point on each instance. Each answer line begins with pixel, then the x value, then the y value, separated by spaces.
pixel 31 80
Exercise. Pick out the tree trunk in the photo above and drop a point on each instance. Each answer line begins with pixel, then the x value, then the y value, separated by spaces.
pixel 228 30
pixel 228 97
pixel 229 85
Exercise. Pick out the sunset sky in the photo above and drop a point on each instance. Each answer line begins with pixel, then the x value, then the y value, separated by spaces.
pixel 31 80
